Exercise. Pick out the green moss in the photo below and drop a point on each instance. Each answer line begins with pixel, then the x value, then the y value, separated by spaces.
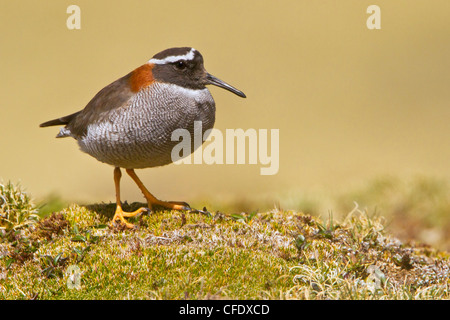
pixel 175 255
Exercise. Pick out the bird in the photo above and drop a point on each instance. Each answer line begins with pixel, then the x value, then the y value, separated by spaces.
pixel 128 124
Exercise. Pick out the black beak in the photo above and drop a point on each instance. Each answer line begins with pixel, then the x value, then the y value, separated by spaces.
pixel 210 79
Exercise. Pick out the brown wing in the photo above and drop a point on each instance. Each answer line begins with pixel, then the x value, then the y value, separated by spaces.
pixel 110 97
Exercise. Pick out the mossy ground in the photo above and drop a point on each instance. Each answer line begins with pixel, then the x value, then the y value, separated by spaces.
pixel 182 255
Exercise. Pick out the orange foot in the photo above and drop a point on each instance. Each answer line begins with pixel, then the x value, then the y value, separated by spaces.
pixel 173 205
pixel 120 215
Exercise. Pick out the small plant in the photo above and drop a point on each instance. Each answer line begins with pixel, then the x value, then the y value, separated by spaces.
pixel 80 253
pixel 52 266
pixel 16 208
pixel 51 226
pixel 244 217
pixel 327 232
pixel 22 248
pixel 300 242
pixel 86 237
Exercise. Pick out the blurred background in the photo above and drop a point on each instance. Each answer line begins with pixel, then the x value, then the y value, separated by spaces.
pixel 363 114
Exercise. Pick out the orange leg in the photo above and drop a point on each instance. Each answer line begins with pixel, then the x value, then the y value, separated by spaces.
pixel 120 214
pixel 152 200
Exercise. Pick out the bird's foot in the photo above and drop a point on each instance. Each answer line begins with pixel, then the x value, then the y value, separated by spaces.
pixel 173 205
pixel 120 215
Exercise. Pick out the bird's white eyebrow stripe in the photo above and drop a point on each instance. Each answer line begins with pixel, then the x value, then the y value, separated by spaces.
pixel 170 59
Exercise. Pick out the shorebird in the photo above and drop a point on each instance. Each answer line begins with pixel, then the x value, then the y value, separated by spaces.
pixel 129 123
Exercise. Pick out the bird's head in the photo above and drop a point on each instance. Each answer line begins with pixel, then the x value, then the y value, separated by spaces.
pixel 184 67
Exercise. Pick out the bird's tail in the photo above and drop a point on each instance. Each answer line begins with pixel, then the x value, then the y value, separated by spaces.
pixel 64 132
pixel 59 121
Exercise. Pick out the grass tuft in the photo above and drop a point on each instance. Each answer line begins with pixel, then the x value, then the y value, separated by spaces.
pixel 16 208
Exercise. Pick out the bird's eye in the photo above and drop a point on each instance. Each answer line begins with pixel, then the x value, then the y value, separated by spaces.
pixel 180 65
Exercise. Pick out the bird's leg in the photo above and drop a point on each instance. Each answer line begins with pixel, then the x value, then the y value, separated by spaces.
pixel 152 200
pixel 120 214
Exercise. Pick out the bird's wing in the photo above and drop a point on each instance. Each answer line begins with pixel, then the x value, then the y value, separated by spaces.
pixel 113 96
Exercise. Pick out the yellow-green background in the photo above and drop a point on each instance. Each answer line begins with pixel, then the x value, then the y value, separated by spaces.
pixel 351 104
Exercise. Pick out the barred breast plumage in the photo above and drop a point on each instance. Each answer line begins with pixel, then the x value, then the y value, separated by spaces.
pixel 138 135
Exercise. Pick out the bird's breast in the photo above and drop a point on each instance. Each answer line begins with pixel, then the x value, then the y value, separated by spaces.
pixel 138 134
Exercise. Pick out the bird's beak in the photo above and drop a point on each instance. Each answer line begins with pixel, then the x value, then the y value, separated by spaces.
pixel 210 79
